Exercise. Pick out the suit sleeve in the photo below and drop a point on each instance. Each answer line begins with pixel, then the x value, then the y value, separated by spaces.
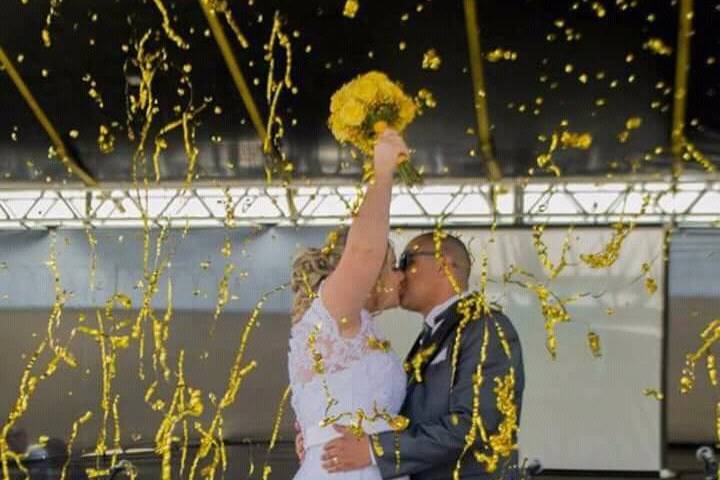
pixel 440 442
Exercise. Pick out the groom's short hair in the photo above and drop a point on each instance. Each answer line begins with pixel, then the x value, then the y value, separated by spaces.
pixel 453 248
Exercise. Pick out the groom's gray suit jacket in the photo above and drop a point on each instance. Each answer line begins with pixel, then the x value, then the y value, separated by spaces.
pixel 440 413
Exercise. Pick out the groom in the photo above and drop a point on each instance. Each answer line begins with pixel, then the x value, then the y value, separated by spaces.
pixel 439 408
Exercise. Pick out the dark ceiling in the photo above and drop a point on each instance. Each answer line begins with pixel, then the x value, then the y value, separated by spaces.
pixel 580 61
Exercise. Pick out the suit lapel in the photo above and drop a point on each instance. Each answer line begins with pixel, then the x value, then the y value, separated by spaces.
pixel 450 319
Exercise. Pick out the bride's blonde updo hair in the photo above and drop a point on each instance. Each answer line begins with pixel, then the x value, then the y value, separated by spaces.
pixel 313 266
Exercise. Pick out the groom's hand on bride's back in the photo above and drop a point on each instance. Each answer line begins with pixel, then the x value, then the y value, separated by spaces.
pixel 349 452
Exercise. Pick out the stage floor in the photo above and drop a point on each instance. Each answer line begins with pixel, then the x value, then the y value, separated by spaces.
pixel 681 460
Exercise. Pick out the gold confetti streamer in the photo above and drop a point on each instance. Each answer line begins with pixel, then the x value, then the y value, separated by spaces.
pixel 689 153
pixel 418 362
pixel 351 7
pixel 710 335
pixel 425 98
pixel 542 251
pixel 553 308
pixel 657 46
pixel 161 332
pixel 92 243
pixel 73 435
pixel 109 346
pixel 186 402
pixel 566 139
pixel 501 444
pixel 500 54
pixel 653 393
pixel 45 34
pixel 380 345
pixel 276 430
pixel 594 344
pixel 105 140
pixel 211 439
pixel 221 6
pixel 581 141
pixel 171 34
pixel 611 252
pixel 274 127
pixel 632 123
pixel 431 60
pixel 93 92
pixel 223 290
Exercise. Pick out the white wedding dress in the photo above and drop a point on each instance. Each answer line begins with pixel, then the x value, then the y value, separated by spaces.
pixel 357 374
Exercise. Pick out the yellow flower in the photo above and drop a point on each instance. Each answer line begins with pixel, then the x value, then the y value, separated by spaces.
pixel 353 112
pixel 338 99
pixel 366 90
pixel 407 112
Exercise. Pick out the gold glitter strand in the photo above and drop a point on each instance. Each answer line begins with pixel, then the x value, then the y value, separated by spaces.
pixel 350 9
pixel 221 6
pixel 565 140
pixel 92 243
pixel 611 252
pixel 179 410
pixel 171 34
pixel 161 332
pixel 501 443
pixel 476 420
pixel 45 34
pixel 431 60
pixel 710 335
pixel 208 439
pixel 28 384
pixel 73 435
pixel 553 308
pixel 542 251
pixel 594 344
pixel 276 430
pixel 653 393
pixel 273 90
pixel 438 236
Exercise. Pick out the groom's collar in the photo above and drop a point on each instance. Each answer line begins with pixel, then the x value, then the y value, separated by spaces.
pixel 432 317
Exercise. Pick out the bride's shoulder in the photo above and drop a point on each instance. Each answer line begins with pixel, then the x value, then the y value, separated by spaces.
pixel 316 316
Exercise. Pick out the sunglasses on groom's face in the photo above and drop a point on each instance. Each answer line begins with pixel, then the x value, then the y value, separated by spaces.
pixel 406 259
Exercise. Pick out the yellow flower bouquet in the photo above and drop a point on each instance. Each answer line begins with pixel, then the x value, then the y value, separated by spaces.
pixel 364 107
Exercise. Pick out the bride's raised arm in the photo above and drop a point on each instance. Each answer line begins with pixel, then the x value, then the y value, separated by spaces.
pixel 347 288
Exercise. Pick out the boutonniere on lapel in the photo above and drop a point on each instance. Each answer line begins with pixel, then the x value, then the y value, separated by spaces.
pixel 418 361
pixel 377 344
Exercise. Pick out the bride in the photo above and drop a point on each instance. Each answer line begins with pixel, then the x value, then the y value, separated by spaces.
pixel 342 372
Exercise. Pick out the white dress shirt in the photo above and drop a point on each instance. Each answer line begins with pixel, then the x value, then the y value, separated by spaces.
pixel 431 318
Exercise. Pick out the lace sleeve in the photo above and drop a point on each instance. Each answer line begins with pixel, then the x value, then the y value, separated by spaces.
pixel 316 346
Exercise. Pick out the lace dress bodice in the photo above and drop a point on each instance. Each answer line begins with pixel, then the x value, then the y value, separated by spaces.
pixel 344 374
